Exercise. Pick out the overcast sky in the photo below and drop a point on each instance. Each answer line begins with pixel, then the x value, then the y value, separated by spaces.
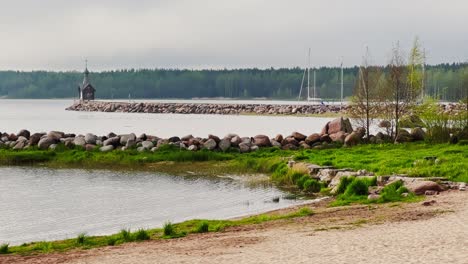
pixel 116 34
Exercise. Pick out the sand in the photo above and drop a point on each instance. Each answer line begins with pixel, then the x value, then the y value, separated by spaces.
pixel 402 233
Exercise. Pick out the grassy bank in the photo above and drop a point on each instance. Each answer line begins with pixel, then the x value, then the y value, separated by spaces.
pixel 414 159
pixel 82 241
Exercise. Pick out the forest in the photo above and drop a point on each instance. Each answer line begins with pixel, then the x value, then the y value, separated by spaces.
pixel 444 81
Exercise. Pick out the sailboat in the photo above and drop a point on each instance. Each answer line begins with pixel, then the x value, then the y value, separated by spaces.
pixel 314 97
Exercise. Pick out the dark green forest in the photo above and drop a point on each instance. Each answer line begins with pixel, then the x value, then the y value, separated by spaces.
pixel 447 81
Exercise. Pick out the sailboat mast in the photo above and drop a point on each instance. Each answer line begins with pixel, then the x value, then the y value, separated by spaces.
pixel 423 86
pixel 315 95
pixel 308 77
pixel 341 105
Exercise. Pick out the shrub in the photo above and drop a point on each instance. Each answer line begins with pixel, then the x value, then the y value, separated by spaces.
pixel 312 185
pixel 300 182
pixel 357 187
pixel 202 227
pixel 344 182
pixel 142 234
pixel 169 229
pixel 4 249
pixel 392 192
pixel 81 238
pixel 126 235
pixel 111 241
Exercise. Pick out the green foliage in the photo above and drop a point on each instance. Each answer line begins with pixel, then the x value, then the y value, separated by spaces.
pixel 312 185
pixel 142 234
pixel 4 249
pixel 111 241
pixel 393 192
pixel 343 184
pixel 357 187
pixel 203 227
pixel 81 238
pixel 126 235
pixel 168 229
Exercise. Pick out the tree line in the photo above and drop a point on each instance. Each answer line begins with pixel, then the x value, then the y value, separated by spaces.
pixel 447 81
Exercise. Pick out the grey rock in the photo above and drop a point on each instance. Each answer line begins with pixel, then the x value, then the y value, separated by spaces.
pixel 45 142
pixel 106 148
pixel 192 148
pixel 147 144
pixel 224 144
pixel 24 133
pixel 126 137
pixel 244 147
pixel 210 144
pixel 53 146
pixel 79 141
pixel 254 148
pixel 90 138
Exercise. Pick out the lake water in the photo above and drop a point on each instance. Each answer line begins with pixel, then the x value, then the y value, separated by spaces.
pixel 43 204
pixel 47 115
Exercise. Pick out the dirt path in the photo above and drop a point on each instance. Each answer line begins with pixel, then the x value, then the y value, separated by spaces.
pixel 406 233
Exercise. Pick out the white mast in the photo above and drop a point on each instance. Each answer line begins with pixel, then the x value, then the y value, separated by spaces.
pixel 423 86
pixel 315 95
pixel 308 78
pixel 341 104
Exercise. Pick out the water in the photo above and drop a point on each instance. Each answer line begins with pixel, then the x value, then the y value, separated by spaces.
pixel 47 115
pixel 43 204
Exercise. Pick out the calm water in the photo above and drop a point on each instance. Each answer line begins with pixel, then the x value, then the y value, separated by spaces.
pixel 47 115
pixel 43 204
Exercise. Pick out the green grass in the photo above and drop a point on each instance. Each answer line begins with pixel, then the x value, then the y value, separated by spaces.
pixel 167 232
pixel 382 159
pixel 81 239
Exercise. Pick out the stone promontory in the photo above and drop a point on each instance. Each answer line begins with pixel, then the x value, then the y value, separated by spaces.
pixel 205 108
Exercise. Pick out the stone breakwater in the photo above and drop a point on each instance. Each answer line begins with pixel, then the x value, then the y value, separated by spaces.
pixel 337 131
pixel 205 108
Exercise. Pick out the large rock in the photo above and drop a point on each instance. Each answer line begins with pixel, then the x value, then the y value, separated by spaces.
pixel 79 141
pixel 403 136
pixel 126 137
pixel 114 141
pixel 34 138
pixel 20 144
pixel 215 138
pixel 244 147
pixel 352 139
pixel 24 133
pixel 90 138
pixel 261 141
pixel 210 144
pixel 417 134
pixel 186 138
pixel 338 137
pixel 275 143
pixel 325 138
pixel 224 144
pixel 235 141
pixel 45 142
pixel 106 148
pixel 339 124
pixel 290 141
pixel 56 135
pixel 279 138
pixel 313 139
pixel 420 187
pixel 385 124
pixel 147 145
pixel 298 136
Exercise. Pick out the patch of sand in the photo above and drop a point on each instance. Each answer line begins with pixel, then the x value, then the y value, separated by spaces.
pixel 401 233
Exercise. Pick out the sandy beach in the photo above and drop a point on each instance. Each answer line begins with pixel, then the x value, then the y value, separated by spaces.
pixel 389 233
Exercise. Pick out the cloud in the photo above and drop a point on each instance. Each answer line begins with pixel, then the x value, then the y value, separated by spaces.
pixel 58 35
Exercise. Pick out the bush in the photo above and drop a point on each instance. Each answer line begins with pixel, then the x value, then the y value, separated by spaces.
pixel 202 227
pixel 357 187
pixel 312 186
pixel 126 235
pixel 4 249
pixel 300 182
pixel 169 229
pixel 81 238
pixel 111 241
pixel 392 192
pixel 142 234
pixel 344 182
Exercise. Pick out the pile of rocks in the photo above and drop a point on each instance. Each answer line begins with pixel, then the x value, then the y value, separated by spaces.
pixel 337 131
pixel 331 177
pixel 205 108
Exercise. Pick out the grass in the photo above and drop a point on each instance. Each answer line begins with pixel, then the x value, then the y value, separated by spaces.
pixel 81 238
pixel 382 159
pixel 169 231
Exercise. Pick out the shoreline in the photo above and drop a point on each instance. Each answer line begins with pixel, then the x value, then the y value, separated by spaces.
pixel 324 222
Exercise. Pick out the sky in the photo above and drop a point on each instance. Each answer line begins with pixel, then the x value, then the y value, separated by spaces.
pixel 59 35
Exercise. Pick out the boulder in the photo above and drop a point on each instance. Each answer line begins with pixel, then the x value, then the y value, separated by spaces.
pixel 53 146
pixel 361 131
pixel 298 136
pixel 313 138
pixel 326 175
pixel 290 147
pixel 244 147
pixel 235 141
pixel 403 136
pixel 126 137
pixel 224 144
pixel 130 143
pixel 20 144
pixel 114 141
pixel 192 148
pixel 24 133
pixel 417 134
pixel 79 141
pixel 34 138
pixel 275 143
pixel 105 148
pixel 325 138
pixel 261 141
pixel 90 138
pixel 210 144
pixel 45 142
pixel 304 145
pixel 385 124
pixel 352 139
pixel 56 135
pixel 12 137
pixel 186 138
pixel 279 138
pixel 174 139
pixel 338 137
pixel 420 187
pixel 215 138
pixel 373 197
pixel 254 148
pixel 339 124
pixel 290 141
pixel 147 145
